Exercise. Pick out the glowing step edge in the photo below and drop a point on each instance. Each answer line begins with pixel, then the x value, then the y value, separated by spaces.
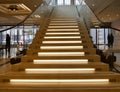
pixel 61 47
pixel 59 81
pixel 62 61
pixel 60 42
pixel 61 53
pixel 74 30
pixel 61 37
pixel 66 21
pixel 60 70
pixel 62 26
pixel 61 33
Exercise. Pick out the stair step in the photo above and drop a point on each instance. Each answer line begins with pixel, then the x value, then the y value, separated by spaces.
pixel 83 40
pixel 60 76
pixel 69 44
pixel 62 24
pixel 61 42
pixel 90 58
pixel 60 87
pixel 87 51
pixel 61 47
pixel 61 37
pixel 63 27
pixel 67 50
pixel 61 53
pixel 97 65
pixel 62 21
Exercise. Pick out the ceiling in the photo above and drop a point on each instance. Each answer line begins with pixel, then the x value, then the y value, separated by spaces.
pixel 105 10
pixel 15 11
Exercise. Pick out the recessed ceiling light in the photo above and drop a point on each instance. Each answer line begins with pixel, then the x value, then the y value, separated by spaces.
pixel 109 18
pixel 117 15
pixel 35 5
pixel 93 4
pixel 10 8
pixel 37 16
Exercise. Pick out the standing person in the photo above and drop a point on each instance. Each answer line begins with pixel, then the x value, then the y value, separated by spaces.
pixel 111 59
pixel 110 40
pixel 8 44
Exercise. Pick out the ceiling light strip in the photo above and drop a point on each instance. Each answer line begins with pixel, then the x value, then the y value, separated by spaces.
pixel 24 7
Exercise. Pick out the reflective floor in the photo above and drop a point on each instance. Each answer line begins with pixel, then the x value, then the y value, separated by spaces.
pixel 4 55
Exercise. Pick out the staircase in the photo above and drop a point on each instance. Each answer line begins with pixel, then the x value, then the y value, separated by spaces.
pixel 61 59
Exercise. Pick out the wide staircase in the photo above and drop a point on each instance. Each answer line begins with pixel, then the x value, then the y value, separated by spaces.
pixel 61 58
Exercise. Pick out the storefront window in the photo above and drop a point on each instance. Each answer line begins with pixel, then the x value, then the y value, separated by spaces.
pixel 67 2
pixel 99 37
pixel 19 35
pixel 59 2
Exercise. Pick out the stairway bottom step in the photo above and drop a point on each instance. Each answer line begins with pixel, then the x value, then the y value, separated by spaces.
pixel 111 87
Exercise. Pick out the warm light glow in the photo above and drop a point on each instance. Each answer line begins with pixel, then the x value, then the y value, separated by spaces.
pixel 60 42
pixel 61 47
pixel 61 53
pixel 74 30
pixel 69 21
pixel 62 26
pixel 59 81
pixel 60 70
pixel 24 7
pixel 62 33
pixel 63 19
pixel 61 61
pixel 61 37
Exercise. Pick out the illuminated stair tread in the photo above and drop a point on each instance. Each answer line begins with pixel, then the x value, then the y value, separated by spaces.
pixel 97 65
pixel 24 75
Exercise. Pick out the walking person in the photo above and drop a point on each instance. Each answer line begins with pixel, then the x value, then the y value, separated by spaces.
pixel 7 45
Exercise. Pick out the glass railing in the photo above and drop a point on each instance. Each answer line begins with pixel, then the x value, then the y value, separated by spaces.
pixel 99 32
pixel 23 32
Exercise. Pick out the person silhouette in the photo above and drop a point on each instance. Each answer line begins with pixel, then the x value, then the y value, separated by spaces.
pixel 7 44
pixel 110 40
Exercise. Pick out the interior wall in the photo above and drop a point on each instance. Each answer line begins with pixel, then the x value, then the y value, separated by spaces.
pixel 64 12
